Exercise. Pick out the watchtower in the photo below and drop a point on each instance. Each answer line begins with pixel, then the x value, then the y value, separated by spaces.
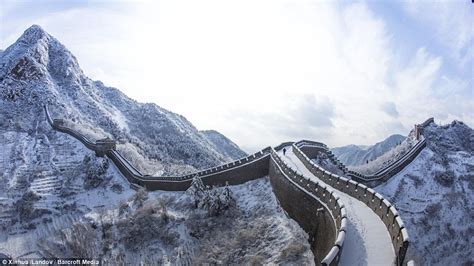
pixel 418 130
pixel 104 145
pixel 58 122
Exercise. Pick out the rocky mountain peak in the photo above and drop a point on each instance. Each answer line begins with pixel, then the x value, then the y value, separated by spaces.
pixel 33 35
pixel 456 136
pixel 36 55
pixel 37 70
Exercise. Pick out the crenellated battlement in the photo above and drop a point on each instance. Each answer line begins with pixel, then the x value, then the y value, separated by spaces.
pixel 376 202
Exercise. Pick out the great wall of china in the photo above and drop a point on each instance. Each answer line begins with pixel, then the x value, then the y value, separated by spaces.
pixel 311 195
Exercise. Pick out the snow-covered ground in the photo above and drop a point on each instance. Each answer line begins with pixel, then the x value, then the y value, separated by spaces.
pixel 43 187
pixel 163 227
pixel 434 195
pixel 323 160
pixel 223 144
pixel 352 155
pixel 37 70
pixel 58 199
pixel 82 207
pixel 367 240
pixel 387 158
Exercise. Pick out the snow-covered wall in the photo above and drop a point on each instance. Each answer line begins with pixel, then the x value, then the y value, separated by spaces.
pixel 382 207
pixel 326 228
pixel 311 149
pixel 396 166
pixel 248 168
pixel 317 210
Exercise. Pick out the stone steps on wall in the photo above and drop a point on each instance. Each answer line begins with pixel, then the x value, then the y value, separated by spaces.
pixel 7 210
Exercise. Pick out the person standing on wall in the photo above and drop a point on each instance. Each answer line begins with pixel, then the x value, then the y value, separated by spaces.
pixel 284 151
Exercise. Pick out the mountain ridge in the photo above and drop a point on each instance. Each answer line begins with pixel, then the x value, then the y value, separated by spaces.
pixel 37 70
pixel 352 154
pixel 434 195
pixel 224 144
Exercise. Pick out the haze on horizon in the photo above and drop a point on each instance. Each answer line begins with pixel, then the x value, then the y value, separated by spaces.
pixel 263 72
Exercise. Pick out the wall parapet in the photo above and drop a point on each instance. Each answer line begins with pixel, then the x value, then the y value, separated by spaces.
pixel 282 145
pixel 380 176
pixel 325 195
pixel 308 146
pixel 376 202
pixel 392 169
pixel 247 168
pixel 427 122
pixel 310 143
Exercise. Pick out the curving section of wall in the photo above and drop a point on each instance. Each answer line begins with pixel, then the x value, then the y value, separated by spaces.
pixel 392 169
pixel 382 207
pixel 282 145
pixel 248 168
pixel 311 150
pixel 375 179
pixel 57 124
pixel 426 123
pixel 315 207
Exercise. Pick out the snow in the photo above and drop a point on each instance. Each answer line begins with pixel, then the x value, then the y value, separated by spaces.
pixel 387 158
pixel 367 240
pixel 437 211
pixel 81 193
pixel 33 153
pixel 223 144
pixel 120 119
pixel 256 230
pixel 327 164
pixel 38 69
pixel 352 155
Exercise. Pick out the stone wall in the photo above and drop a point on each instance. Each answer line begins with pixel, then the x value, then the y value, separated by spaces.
pixel 382 207
pixel 311 149
pixel 314 206
pixel 318 211
pixel 392 169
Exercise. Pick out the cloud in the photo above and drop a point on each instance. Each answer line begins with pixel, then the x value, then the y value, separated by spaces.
pixel 451 21
pixel 422 90
pixel 307 116
pixel 315 113
pixel 394 127
pixel 390 109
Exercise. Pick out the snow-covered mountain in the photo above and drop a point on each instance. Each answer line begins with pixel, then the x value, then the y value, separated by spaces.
pixel 37 69
pixel 357 155
pixel 387 158
pixel 223 144
pixel 434 195
pixel 57 199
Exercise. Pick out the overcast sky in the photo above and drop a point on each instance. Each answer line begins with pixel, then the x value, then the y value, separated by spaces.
pixel 263 72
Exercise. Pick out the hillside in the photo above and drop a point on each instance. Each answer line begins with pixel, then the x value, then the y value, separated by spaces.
pixel 434 195
pixel 387 158
pixel 37 69
pixel 57 199
pixel 352 155
pixel 224 145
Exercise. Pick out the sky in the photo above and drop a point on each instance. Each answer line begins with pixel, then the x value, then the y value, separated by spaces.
pixel 264 72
